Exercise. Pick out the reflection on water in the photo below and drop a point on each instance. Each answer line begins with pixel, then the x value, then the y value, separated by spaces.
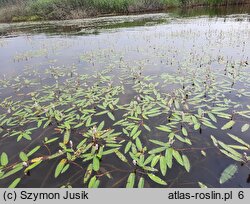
pixel 178 44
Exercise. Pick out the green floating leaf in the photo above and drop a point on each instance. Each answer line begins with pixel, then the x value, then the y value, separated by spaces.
pixel 155 160
pixel 229 149
pixel 96 163
pixel 177 156
pixel 128 146
pixel 66 137
pixel 13 171
pixel 138 144
pixel 184 131
pixel 131 180
pixel 121 156
pixel 23 156
pixel 111 116
pixel 163 165
pixel 164 128
pixel 239 140
pixel 93 183
pixel 228 125
pixel 88 173
pixel 186 162
pixel 228 173
pixel 141 183
pixel 134 130
pixel 4 159
pixel 15 183
pixel 245 127
pixel 31 152
pixel 156 179
pixel 100 127
pixel 212 117
pixel 169 157
pixel 157 150
pixel 59 167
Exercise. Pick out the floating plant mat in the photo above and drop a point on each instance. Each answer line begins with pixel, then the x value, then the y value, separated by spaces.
pixel 167 108
pixel 78 127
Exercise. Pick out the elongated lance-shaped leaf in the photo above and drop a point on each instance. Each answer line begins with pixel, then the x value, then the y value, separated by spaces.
pixel 186 162
pixel 228 125
pixel 59 167
pixel 131 180
pixel 96 163
pixel 228 173
pixel 15 183
pixel 163 165
pixel 156 179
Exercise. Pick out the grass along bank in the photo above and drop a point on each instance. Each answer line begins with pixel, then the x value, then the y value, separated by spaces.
pixel 33 10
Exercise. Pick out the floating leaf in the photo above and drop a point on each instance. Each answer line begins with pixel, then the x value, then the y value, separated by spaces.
pixel 169 157
pixel 60 167
pixel 228 173
pixel 14 170
pixel 184 131
pixel 177 156
pixel 131 180
pixel 111 116
pixel 163 165
pixel 121 156
pixel 15 183
pixel 23 156
pixel 66 137
pixel 32 166
pixel 96 163
pixel 164 128
pixel 138 144
pixel 245 127
pixel 128 146
pixel 141 183
pixel 186 162
pixel 239 140
pixel 88 173
pixel 155 160
pixel 4 159
pixel 156 179
pixel 93 183
pixel 134 130
pixel 228 125
pixel 157 150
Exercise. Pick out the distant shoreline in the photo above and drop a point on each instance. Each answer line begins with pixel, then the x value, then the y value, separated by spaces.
pixel 30 12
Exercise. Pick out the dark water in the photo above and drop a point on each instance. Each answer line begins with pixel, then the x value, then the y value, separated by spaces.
pixel 160 43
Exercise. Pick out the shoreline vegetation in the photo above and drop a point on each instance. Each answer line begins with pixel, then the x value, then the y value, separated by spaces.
pixel 37 10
